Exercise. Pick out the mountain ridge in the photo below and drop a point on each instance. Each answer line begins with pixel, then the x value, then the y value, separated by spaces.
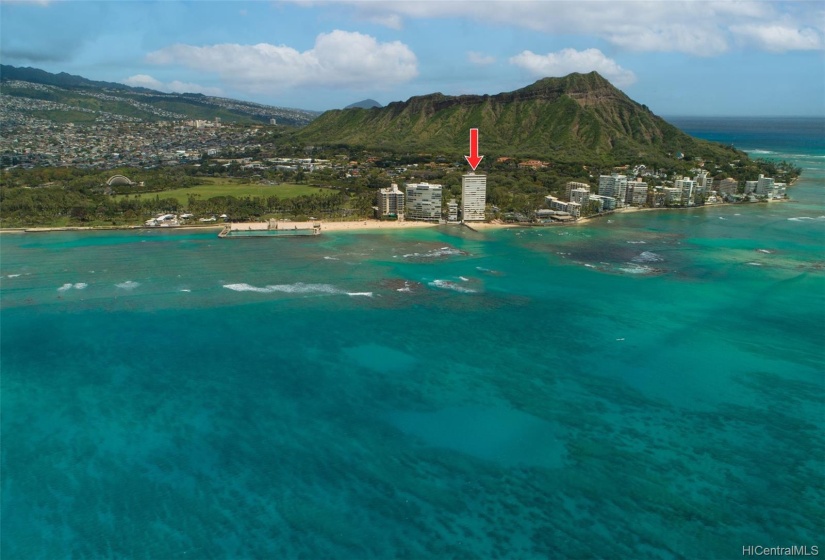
pixel 579 117
pixel 60 97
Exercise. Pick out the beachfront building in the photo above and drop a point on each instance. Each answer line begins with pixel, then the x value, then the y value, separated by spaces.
pixel 473 197
pixel 673 195
pixel 764 186
pixel 614 186
pixel 558 205
pixel 570 186
pixel 605 202
pixel 579 195
pixel 423 201
pixel 391 201
pixel 688 189
pixel 636 193
pixel 750 186
pixel 704 182
pixel 727 186
pixel 452 211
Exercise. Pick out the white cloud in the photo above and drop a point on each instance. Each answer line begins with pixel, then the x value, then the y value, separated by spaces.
pixel 143 80
pixel 697 27
pixel 146 81
pixel 779 38
pixel 338 59
pixel 480 58
pixel 566 61
pixel 393 21
pixel 30 2
pixel 188 87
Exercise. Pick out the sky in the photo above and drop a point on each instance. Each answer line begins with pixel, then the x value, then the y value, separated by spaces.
pixel 680 58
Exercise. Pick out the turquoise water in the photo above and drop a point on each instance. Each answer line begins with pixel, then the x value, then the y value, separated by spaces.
pixel 649 386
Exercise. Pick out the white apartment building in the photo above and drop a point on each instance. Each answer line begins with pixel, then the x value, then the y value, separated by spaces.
pixel 473 197
pixel 579 195
pixel 727 186
pixel 614 186
pixel 452 211
pixel 688 189
pixel 673 195
pixel 636 193
pixel 423 201
pixel 391 201
pixel 571 185
pixel 605 202
pixel 764 186
pixel 704 182
pixel 572 208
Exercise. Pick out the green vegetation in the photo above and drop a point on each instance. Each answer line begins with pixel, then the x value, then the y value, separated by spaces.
pixel 59 197
pixel 228 187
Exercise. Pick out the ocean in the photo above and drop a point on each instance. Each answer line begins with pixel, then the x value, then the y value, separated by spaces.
pixel 644 386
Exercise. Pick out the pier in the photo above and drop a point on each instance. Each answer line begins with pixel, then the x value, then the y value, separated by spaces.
pixel 271 228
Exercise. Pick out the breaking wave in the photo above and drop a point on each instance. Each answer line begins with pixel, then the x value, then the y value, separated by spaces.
pixel 805 218
pixel 647 256
pixel 297 288
pixel 69 286
pixel 637 269
pixel 442 252
pixel 447 285
pixel 128 285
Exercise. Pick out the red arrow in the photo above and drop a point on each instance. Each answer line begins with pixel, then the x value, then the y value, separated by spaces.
pixel 473 159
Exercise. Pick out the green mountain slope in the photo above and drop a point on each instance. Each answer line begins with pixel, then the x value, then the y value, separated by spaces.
pixel 580 117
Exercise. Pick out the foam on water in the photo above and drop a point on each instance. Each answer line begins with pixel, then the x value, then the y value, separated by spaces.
pixel 128 285
pixel 805 218
pixel 80 286
pixel 447 285
pixel 636 269
pixel 64 287
pixel 296 288
pixel 442 252
pixel 647 256
pixel 13 275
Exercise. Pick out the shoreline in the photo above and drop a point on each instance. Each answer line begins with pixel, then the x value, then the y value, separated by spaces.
pixel 372 224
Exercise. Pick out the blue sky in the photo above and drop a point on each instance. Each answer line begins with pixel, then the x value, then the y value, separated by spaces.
pixel 678 57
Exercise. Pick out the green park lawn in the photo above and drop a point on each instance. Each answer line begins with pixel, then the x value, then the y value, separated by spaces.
pixel 223 187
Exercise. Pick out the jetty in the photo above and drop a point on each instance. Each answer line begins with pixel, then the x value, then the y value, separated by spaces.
pixel 270 228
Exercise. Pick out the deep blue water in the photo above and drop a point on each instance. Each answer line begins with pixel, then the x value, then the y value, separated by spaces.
pixel 790 136
pixel 648 386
